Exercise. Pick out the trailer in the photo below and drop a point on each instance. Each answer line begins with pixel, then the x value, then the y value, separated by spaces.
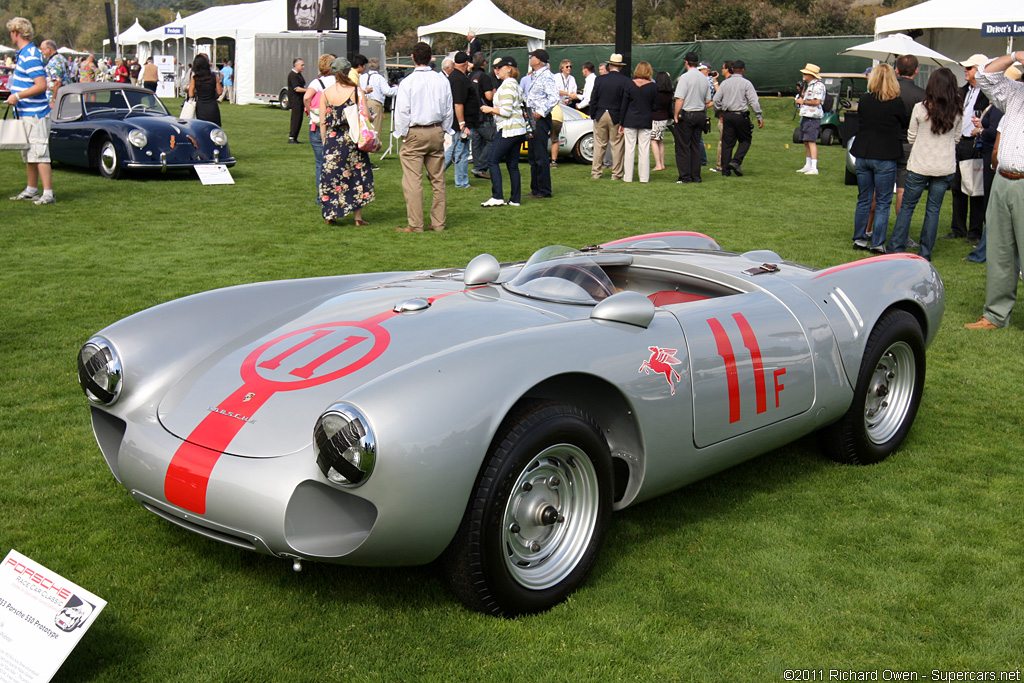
pixel 275 53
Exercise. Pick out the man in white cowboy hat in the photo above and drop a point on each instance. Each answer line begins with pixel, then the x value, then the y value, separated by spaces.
pixel 606 110
pixel 975 102
pixel 811 111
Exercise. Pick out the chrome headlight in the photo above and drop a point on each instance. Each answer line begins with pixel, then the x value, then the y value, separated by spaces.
pixel 138 138
pixel 345 446
pixel 219 137
pixel 99 371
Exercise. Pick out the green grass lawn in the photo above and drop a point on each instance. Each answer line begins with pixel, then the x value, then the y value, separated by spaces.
pixel 786 562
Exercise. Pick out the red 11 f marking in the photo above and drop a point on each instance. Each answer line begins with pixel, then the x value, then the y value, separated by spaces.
pixel 731 373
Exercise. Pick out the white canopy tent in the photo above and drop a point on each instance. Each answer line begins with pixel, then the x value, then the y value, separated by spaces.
pixel 129 36
pixel 483 18
pixel 953 27
pixel 68 52
pixel 226 23
pixel 4 48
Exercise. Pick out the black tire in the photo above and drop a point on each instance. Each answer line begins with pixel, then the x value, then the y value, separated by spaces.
pixel 798 139
pixel 887 395
pixel 282 99
pixel 828 136
pixel 583 150
pixel 108 160
pixel 537 516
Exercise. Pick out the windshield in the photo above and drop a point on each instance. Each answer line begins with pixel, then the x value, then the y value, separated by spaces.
pixel 562 274
pixel 121 101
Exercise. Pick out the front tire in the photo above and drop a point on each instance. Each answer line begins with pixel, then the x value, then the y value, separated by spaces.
pixel 828 136
pixel 583 151
pixel 110 163
pixel 887 395
pixel 537 516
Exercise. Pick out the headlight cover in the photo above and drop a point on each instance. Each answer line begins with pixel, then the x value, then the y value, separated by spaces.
pixel 345 446
pixel 99 371
pixel 138 138
pixel 219 137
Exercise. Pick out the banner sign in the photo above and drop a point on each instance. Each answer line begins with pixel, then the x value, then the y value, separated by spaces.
pixel 310 15
pixel 174 30
pixel 999 29
pixel 42 618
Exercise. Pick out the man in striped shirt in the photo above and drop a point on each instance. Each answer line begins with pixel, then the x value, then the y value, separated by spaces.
pixel 28 96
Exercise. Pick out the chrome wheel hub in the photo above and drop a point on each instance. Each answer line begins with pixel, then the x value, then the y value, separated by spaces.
pixel 550 517
pixel 890 392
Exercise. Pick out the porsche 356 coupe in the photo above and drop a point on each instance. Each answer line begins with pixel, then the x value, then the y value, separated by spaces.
pixel 495 415
pixel 115 127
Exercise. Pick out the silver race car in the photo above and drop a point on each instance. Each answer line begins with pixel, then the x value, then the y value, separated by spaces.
pixel 494 416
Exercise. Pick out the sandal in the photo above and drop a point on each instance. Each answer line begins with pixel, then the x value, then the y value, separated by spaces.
pixel 359 222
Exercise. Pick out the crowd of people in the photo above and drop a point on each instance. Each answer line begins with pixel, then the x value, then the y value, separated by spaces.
pixel 912 138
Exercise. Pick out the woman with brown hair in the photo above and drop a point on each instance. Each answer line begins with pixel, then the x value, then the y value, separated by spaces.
pixel 346 181
pixel 639 99
pixel 877 147
pixel 934 131
pixel 206 88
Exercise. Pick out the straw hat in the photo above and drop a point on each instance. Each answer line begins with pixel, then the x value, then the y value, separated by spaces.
pixel 616 60
pixel 811 70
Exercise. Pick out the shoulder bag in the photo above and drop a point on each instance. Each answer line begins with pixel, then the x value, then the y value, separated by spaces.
pixel 188 108
pixel 972 177
pixel 12 131
pixel 359 127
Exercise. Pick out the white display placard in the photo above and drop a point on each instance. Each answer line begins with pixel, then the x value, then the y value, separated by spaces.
pixel 42 618
pixel 165 69
pixel 214 174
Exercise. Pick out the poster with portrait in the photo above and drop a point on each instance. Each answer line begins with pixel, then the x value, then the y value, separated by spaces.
pixel 42 618
pixel 310 15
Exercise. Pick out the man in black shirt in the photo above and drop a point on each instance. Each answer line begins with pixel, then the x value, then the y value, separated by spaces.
pixel 467 117
pixel 483 134
pixel 911 93
pixel 296 89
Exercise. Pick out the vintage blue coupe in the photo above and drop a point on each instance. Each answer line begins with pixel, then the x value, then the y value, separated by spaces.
pixel 117 127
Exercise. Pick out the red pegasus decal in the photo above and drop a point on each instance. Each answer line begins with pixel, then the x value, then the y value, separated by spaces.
pixel 661 362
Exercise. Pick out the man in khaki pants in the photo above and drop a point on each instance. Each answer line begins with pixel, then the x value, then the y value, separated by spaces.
pixel 423 112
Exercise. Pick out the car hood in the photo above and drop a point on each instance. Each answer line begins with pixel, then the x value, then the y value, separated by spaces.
pixel 260 394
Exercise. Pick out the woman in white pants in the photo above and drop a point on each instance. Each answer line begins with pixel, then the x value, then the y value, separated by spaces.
pixel 638 102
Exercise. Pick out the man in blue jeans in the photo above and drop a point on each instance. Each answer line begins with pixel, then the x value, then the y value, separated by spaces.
pixel 541 98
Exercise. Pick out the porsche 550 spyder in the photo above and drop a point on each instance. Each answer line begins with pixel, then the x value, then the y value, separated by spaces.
pixel 494 416
pixel 116 127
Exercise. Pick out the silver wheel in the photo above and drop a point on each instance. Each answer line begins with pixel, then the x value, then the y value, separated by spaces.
pixel 584 150
pixel 109 161
pixel 890 392
pixel 550 517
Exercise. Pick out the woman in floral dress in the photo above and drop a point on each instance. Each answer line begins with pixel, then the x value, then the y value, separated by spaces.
pixel 346 181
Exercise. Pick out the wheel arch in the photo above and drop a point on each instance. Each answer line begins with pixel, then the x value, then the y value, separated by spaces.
pixel 614 415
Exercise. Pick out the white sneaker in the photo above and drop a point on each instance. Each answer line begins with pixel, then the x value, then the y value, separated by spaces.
pixel 513 204
pixel 45 200
pixel 25 194
pixel 493 201
pixel 811 171
pixel 805 169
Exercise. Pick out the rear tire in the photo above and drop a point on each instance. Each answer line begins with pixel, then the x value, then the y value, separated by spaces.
pixel 282 99
pixel 828 136
pixel 887 395
pixel 537 516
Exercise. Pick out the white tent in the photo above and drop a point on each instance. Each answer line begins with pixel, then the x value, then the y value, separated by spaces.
pixel 68 52
pixel 953 27
pixel 4 48
pixel 129 36
pixel 483 18
pixel 226 23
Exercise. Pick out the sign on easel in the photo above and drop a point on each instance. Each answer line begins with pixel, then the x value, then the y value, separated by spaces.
pixel 214 174
pixel 42 618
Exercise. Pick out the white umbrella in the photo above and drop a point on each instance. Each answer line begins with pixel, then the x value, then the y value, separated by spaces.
pixel 895 45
